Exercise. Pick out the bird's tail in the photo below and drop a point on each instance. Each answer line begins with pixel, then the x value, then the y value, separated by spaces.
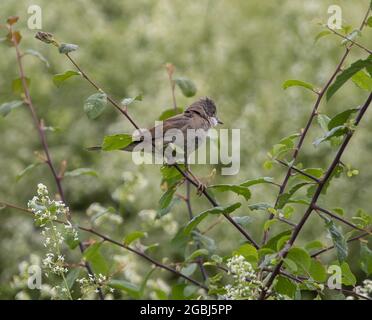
pixel 127 148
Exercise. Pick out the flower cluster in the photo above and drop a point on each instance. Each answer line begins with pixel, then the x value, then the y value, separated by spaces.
pixel 246 284
pixel 364 290
pixel 46 212
pixel 55 263
pixel 44 208
pixel 93 283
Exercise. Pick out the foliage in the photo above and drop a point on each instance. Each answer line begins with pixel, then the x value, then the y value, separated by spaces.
pixel 209 244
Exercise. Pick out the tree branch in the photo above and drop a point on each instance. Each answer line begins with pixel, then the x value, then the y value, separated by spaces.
pixel 315 197
pixel 117 243
pixel 310 120
pixel 39 124
pixel 337 217
pixel 348 39
pixel 185 175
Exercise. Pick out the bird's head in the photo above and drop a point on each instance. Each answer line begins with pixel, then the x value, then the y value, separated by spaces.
pixel 206 108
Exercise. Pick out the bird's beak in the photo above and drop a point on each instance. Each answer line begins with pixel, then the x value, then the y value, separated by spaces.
pixel 219 121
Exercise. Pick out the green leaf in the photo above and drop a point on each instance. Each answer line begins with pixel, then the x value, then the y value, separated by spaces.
pixel 128 101
pixel 290 265
pixel 365 259
pixel 189 269
pixel 170 174
pixel 335 132
pixel 243 220
pixel 94 256
pixel 7 107
pixel 301 258
pixel 116 142
pixel 133 236
pixel 285 197
pixel 362 80
pixel 338 239
pixel 38 55
pixel 314 172
pixel 298 83
pixel 369 22
pixel 72 276
pixel 341 118
pixel 317 271
pixel 17 85
pixel 144 282
pixel 348 279
pixel 272 243
pixel 238 189
pixel 248 251
pixel 26 170
pixel 269 223
pixel 80 172
pixel 131 289
pixel 71 241
pixel 205 241
pixel 345 75
pixel 178 292
pixel 257 181
pixel 67 48
pixel 196 254
pixel 282 242
pixel 322 34
pixel 216 210
pixel 323 121
pixel 286 287
pixel 59 78
pixel 187 87
pixel 314 245
pixel 95 105
pixel 170 113
pixel 165 201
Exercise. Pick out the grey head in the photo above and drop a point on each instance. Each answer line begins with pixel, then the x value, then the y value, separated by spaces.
pixel 206 108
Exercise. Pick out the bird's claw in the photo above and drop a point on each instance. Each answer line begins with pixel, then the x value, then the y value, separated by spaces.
pixel 201 188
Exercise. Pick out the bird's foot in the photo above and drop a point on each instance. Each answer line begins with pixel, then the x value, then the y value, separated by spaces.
pixel 200 188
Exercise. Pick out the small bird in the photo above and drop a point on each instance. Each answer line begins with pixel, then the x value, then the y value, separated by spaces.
pixel 200 115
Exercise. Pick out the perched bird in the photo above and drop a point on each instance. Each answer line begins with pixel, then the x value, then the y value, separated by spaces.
pixel 200 115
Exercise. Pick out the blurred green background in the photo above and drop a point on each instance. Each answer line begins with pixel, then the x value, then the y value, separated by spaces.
pixel 237 52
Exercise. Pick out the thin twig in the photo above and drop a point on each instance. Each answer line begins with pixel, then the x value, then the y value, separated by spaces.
pixel 360 236
pixel 348 39
pixel 117 243
pixel 185 175
pixel 310 120
pixel 298 170
pixel 337 217
pixel 41 131
pixel 315 197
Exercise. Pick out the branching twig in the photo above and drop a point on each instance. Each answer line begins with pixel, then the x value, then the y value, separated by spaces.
pixel 117 243
pixel 298 170
pixel 337 217
pixel 41 131
pixel 315 197
pixel 348 39
pixel 185 175
pixel 332 247
pixel 310 120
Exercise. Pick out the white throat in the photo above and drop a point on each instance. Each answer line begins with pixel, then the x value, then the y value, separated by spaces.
pixel 213 121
